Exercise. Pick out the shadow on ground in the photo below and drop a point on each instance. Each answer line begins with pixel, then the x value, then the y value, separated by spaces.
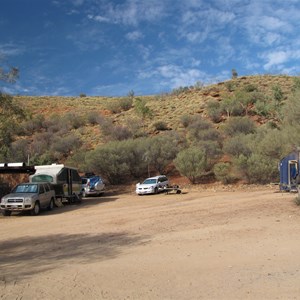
pixel 27 256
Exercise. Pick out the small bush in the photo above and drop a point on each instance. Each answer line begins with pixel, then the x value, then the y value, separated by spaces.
pixel 232 106
pixel 230 86
pixel 237 145
pixel 237 125
pixel 185 120
pixel 160 125
pixel 262 108
pixel 214 111
pixel 126 103
pixel 250 88
pixel 222 173
pixel 93 117
pixel 297 200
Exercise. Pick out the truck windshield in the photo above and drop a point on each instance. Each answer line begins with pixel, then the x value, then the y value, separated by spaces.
pixel 26 188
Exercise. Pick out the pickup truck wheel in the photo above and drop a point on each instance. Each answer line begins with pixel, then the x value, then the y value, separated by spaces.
pixel 6 213
pixel 36 210
pixel 51 204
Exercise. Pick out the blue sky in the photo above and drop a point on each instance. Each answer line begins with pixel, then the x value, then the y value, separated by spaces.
pixel 108 48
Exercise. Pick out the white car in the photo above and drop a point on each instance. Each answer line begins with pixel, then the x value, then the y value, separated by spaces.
pixel 152 185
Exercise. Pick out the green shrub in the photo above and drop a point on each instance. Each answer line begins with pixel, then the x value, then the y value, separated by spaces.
pixel 191 163
pixel 160 125
pixel 119 133
pixel 222 172
pixel 232 106
pixel 237 145
pixel 262 108
pixel 126 103
pixel 257 168
pixel 250 88
pixel 118 161
pixel 185 120
pixel 238 125
pixel 118 105
pixel 64 145
pixel 161 150
pixel 230 85
pixel 214 110
pixel 93 117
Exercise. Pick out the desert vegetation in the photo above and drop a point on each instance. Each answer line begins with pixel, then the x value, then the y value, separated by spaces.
pixel 230 131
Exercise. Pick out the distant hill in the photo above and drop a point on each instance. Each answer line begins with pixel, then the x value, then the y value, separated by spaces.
pixel 85 122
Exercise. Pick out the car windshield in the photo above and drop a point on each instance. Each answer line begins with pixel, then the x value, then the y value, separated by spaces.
pixel 149 181
pixel 26 188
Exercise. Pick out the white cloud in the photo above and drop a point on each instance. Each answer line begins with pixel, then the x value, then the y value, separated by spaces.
pixel 134 35
pixel 10 49
pixel 130 12
pixel 277 59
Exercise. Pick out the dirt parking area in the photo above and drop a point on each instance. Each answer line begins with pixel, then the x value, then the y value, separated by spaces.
pixel 206 243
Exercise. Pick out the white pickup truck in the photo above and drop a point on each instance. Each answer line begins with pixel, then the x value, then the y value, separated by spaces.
pixel 28 197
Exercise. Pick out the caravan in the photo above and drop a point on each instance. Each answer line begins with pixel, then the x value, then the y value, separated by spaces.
pixel 65 180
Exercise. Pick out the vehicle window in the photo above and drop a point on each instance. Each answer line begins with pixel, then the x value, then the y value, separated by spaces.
pixel 42 178
pixel 149 181
pixel 26 188
pixel 42 190
pixel 46 187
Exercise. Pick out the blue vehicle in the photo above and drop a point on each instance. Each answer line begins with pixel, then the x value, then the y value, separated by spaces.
pixel 92 185
pixel 289 172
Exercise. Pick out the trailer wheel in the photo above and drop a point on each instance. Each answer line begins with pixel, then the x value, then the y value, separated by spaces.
pixel 6 213
pixel 78 198
pixel 51 204
pixel 36 210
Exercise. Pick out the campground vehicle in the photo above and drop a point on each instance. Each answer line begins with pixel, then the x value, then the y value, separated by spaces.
pixel 92 185
pixel 152 185
pixel 28 197
pixel 66 181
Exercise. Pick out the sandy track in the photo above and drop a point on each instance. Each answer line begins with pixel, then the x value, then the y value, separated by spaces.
pixel 205 244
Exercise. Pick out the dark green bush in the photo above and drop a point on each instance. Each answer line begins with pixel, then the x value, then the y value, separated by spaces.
pixel 214 110
pixel 237 125
pixel 257 168
pixel 161 150
pixel 237 145
pixel 160 125
pixel 191 163
pixel 223 173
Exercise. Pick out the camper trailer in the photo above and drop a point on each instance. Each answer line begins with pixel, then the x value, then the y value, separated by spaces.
pixel 65 180
pixel 289 172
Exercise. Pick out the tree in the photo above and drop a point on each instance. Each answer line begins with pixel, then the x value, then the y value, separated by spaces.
pixel 191 163
pixel 161 150
pixel 234 74
pixel 10 113
pixel 9 76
